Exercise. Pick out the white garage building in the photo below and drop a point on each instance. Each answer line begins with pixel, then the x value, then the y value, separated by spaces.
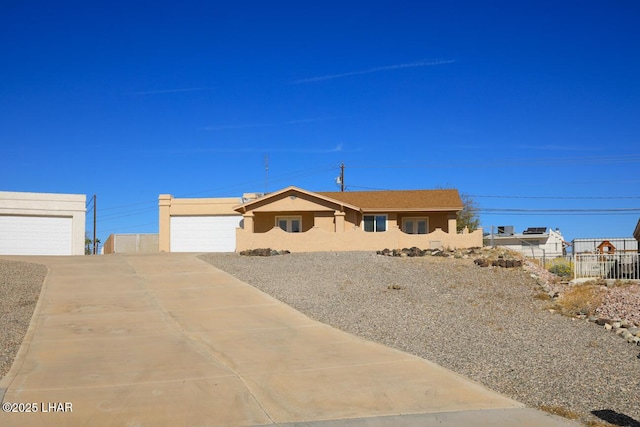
pixel 42 223
pixel 198 225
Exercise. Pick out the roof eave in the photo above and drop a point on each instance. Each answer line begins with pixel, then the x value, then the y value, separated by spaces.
pixel 243 207
pixel 412 209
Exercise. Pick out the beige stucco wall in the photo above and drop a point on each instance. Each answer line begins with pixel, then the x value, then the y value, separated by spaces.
pixel 296 203
pixel 131 244
pixel 353 239
pixel 325 221
pixel 170 206
pixel 351 219
pixel 49 204
pixel 107 246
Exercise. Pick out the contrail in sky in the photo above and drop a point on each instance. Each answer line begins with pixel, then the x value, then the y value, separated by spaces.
pixel 203 150
pixel 424 63
pixel 154 92
pixel 264 125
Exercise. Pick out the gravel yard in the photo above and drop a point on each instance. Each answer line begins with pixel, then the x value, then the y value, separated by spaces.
pixel 484 323
pixel 20 284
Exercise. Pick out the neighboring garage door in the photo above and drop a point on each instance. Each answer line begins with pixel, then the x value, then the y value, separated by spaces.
pixel 204 233
pixel 35 235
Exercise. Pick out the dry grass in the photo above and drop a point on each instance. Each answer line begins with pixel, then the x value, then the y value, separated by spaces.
pixel 580 299
pixel 599 424
pixel 542 296
pixel 560 411
pixel 567 413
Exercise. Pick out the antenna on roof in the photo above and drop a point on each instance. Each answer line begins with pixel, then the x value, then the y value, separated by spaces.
pixel 266 173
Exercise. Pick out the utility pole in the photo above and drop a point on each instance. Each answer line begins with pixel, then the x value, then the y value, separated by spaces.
pixel 95 244
pixel 342 177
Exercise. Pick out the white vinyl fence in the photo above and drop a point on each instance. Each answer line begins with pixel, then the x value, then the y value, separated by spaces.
pixel 623 266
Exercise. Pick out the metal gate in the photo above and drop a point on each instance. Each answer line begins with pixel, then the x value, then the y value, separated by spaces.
pixel 622 266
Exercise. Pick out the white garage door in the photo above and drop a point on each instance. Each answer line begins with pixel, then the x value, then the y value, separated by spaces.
pixel 35 235
pixel 204 233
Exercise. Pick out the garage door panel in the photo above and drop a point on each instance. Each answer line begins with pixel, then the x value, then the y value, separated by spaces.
pixel 204 233
pixel 35 235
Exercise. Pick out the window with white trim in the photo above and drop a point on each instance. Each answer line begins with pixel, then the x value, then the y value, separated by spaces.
pixel 374 223
pixel 290 224
pixel 413 225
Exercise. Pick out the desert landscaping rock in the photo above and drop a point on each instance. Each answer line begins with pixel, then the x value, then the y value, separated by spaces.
pixel 484 323
pixel 263 252
pixel 20 285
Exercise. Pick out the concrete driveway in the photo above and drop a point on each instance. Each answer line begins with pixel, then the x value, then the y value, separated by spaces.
pixel 169 340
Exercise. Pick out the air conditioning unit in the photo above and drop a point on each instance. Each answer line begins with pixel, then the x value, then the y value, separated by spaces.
pixel 505 230
pixel 247 197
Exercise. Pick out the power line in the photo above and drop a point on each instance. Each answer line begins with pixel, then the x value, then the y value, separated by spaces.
pixel 608 210
pixel 561 214
pixel 134 226
pixel 503 163
pixel 129 205
pixel 242 186
pixel 277 178
pixel 556 212
pixel 557 197
pixel 370 188
pixel 127 214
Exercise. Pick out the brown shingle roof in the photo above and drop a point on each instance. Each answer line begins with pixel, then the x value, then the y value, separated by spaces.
pixel 399 199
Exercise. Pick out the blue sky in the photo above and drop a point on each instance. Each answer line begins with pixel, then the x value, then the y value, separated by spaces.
pixel 532 108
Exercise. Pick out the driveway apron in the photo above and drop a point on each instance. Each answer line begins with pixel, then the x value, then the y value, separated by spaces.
pixel 169 340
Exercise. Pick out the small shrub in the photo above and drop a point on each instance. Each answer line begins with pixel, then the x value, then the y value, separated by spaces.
pixel 561 267
pixel 580 299
pixel 542 296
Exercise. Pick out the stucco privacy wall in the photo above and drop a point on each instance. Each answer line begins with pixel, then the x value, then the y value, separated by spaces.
pixel 131 244
pixel 319 240
pixel 172 207
pixel 43 205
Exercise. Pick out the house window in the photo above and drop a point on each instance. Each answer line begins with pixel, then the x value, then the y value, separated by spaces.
pixel 415 225
pixel 290 224
pixel 375 223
